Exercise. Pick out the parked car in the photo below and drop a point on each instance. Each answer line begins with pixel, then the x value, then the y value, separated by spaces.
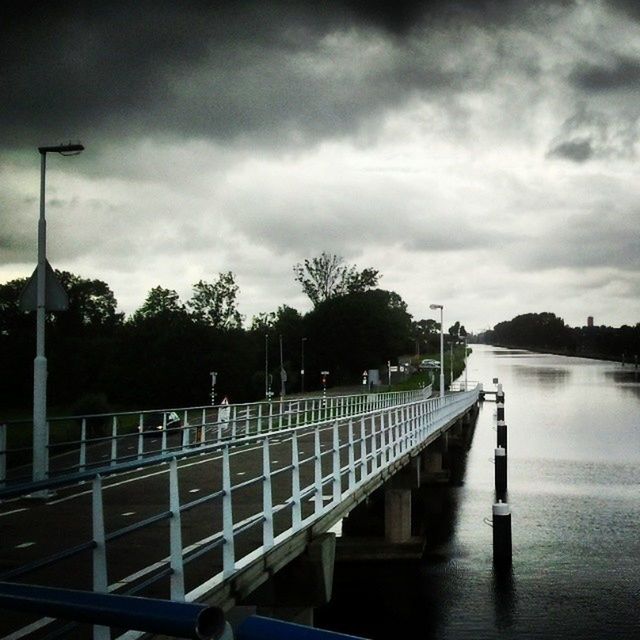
pixel 154 422
pixel 428 364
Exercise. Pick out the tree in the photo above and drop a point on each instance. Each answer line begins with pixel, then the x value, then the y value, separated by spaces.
pixel 327 276
pixel 92 304
pixel 354 332
pixel 214 303
pixel 160 303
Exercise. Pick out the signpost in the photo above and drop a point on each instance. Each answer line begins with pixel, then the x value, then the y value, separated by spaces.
pixel 214 376
pixel 324 387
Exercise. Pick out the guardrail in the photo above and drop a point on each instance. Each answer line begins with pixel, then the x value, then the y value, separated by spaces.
pixel 77 443
pixel 238 519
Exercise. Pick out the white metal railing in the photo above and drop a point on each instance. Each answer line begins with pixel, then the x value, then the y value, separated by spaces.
pixel 78 443
pixel 240 518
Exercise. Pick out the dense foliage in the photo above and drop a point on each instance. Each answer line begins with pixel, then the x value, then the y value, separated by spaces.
pixel 162 355
pixel 547 332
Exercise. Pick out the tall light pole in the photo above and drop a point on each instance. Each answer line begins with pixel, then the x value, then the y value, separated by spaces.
pixel 451 361
pixel 302 364
pixel 283 373
pixel 439 306
pixel 40 361
pixel 266 367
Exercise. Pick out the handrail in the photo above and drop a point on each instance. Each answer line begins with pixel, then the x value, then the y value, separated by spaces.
pixel 74 448
pixel 347 454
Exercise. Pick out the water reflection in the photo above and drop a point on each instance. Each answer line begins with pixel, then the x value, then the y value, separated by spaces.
pixel 574 485
pixel 626 379
pixel 543 376
pixel 505 597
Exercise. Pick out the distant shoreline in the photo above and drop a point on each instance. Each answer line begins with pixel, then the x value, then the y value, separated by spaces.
pixel 559 352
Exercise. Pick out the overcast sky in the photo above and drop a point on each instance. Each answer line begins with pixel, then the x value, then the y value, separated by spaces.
pixel 480 154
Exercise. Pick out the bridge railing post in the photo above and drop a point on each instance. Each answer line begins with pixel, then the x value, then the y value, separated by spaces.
pixel 383 448
pixel 267 500
pixel 82 459
pixel 114 441
pixel 164 432
pixel 99 554
pixel 374 444
pixel 317 456
pixel 228 547
pixel 352 463
pixel 140 438
pixel 185 431
pixel 296 506
pixel 337 478
pixel 175 535
pixel 363 449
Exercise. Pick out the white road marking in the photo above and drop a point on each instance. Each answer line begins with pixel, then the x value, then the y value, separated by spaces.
pixel 25 631
pixel 128 513
pixel 149 475
pixel 194 490
pixel 25 545
pixel 8 513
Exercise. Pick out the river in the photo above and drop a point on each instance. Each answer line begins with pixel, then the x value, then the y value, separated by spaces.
pixel 574 492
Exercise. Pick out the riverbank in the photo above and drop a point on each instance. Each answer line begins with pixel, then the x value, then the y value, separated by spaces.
pixel 564 352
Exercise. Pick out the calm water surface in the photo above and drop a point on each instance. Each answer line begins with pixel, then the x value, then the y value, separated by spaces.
pixel 574 491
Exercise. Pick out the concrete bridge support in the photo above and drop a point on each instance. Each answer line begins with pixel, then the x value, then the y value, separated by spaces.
pixel 298 588
pixel 397 502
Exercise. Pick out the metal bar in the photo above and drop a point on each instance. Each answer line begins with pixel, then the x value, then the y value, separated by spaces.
pixel 177 619
pixel 267 500
pixel 337 481
pixel 352 464
pixel 228 550
pixel 100 580
pixel 175 535
pixel 114 441
pixel 82 457
pixel 296 513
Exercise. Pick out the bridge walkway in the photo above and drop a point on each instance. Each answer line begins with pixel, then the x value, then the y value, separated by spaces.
pixel 215 523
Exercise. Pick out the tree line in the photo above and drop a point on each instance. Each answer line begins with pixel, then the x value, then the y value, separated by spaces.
pixel 163 353
pixel 547 332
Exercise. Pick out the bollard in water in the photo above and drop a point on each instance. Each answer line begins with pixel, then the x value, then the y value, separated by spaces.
pixel 501 472
pixel 501 533
pixel 502 435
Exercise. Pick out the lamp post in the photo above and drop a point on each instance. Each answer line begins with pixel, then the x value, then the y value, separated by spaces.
pixel 266 367
pixel 451 361
pixel 283 373
pixel 439 306
pixel 40 361
pixel 302 364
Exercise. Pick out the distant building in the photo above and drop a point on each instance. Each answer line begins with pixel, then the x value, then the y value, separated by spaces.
pixel 590 322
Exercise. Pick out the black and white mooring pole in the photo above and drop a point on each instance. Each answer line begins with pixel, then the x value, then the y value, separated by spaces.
pixel 501 472
pixel 501 533
pixel 500 402
pixel 502 435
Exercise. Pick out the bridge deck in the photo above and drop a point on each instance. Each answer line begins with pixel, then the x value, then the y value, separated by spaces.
pixel 216 524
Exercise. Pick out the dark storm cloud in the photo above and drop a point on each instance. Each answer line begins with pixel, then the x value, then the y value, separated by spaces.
pixel 576 150
pixel 620 74
pixel 596 134
pixel 217 70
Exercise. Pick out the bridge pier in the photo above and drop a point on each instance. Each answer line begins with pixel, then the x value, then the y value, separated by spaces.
pixel 300 586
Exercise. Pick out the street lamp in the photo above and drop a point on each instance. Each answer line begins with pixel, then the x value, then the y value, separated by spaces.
pixel 40 361
pixel 302 364
pixel 283 373
pixel 439 306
